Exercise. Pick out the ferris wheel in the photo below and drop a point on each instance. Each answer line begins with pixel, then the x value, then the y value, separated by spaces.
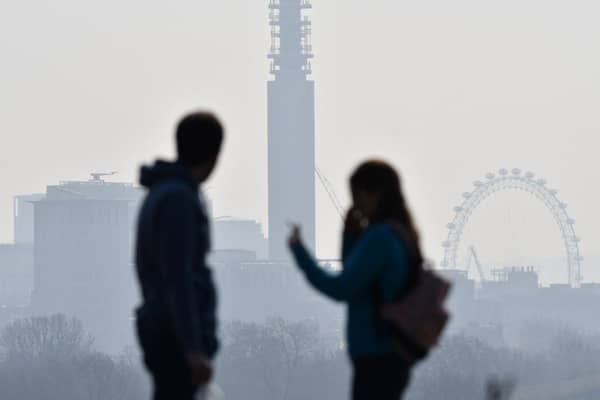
pixel 515 180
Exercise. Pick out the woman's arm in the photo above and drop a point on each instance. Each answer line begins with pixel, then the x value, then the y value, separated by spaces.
pixel 362 265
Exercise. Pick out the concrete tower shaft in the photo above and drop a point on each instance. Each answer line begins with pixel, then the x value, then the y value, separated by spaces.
pixel 291 125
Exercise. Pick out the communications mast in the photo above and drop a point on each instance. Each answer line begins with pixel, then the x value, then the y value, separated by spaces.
pixel 291 125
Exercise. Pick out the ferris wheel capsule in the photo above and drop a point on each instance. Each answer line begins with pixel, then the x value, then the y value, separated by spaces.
pixel 516 171
pixel 503 172
pixel 477 183
pixel 490 176
pixel 466 195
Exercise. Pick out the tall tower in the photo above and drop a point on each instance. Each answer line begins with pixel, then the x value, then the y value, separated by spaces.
pixel 291 125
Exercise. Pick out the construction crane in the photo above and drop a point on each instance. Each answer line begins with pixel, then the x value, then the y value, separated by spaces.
pixel 474 258
pixel 330 192
pixel 97 176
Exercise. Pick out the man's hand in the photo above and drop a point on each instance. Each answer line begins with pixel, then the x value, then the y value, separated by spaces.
pixel 201 369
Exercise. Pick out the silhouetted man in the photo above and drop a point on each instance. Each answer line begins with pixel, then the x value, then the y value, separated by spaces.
pixel 176 321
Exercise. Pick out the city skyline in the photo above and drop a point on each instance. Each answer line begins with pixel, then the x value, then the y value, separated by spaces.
pixel 487 110
pixel 440 119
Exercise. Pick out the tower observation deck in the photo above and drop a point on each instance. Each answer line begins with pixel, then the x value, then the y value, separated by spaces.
pixel 291 124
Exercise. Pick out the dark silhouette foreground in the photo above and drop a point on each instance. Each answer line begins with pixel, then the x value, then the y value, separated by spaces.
pixel 381 257
pixel 176 321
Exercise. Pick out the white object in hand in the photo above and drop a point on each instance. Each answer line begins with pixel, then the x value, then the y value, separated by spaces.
pixel 210 392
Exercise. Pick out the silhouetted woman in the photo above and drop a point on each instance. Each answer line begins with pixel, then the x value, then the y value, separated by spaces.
pixel 380 255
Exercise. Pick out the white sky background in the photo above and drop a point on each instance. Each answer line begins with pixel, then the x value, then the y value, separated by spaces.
pixel 446 90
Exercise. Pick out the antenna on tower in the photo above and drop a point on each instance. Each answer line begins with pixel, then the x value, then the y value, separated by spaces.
pixel 291 36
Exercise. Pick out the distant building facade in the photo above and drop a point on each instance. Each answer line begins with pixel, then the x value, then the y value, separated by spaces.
pixel 98 189
pixel 514 298
pixel 255 290
pixel 239 234
pixel 16 274
pixel 82 256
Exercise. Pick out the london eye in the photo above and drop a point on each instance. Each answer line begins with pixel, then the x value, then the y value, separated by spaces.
pixel 514 180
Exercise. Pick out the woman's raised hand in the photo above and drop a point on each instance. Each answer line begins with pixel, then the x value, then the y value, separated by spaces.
pixel 295 235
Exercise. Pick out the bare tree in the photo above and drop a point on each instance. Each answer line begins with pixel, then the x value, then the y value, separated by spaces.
pixel 53 358
pixel 272 353
pixel 54 336
pixel 297 341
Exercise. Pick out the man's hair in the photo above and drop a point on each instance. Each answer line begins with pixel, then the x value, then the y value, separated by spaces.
pixel 199 137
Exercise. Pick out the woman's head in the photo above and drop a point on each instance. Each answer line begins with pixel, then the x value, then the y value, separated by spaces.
pixel 376 191
pixel 377 195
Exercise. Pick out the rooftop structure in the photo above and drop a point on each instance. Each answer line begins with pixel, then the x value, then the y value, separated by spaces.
pixel 94 188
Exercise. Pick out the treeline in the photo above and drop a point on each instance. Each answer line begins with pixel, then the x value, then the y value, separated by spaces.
pixel 53 358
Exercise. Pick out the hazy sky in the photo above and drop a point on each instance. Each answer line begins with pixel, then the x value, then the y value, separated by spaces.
pixel 446 90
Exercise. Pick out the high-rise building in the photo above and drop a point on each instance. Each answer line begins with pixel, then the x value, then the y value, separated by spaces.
pixel 291 125
pixel 16 275
pixel 82 256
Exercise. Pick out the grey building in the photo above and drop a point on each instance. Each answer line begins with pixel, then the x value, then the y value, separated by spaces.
pixel 239 234
pixel 82 256
pixel 254 291
pixel 16 274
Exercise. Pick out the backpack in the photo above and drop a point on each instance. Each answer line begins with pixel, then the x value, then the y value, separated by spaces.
pixel 419 317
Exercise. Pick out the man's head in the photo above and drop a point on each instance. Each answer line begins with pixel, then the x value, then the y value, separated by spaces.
pixel 199 138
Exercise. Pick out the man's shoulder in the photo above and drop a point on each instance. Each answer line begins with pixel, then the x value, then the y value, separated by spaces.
pixel 172 189
pixel 174 194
